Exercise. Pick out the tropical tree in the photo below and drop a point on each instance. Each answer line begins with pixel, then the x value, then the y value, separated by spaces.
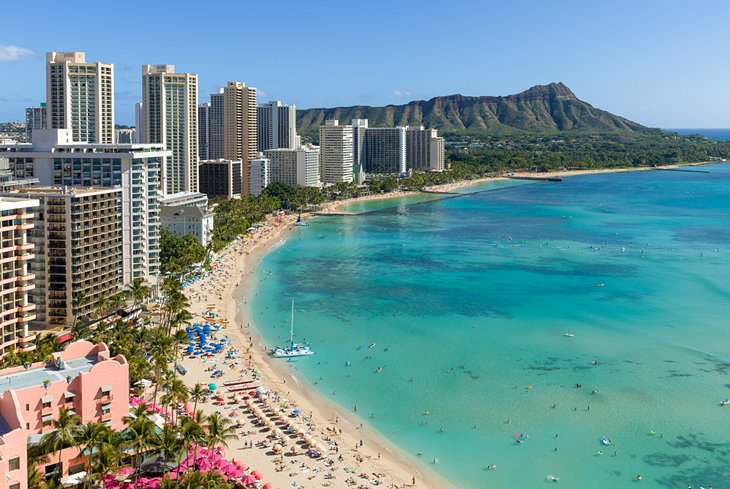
pixel 192 431
pixel 35 477
pixel 115 302
pixel 218 430
pixel 101 306
pixel 169 444
pixel 105 461
pixel 197 394
pixel 138 290
pixel 138 438
pixel 80 300
pixel 90 436
pixel 63 434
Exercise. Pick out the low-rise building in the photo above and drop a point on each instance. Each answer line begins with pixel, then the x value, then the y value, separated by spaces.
pixel 84 378
pixel 192 220
pixel 221 178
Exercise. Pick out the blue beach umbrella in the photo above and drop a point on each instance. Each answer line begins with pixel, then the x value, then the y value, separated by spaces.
pixel 212 386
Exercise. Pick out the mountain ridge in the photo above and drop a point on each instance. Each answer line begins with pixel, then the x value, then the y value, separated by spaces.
pixel 541 108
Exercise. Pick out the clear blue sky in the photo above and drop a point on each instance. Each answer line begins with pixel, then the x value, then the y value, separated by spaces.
pixel 663 63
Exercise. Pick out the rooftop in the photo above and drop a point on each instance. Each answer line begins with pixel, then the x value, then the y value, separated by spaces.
pixel 35 376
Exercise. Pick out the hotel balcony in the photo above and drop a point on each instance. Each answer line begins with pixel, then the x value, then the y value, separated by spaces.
pixel 26 339
pixel 26 318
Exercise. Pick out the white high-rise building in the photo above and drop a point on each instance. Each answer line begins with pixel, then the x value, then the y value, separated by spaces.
pixel 139 123
pixel 259 175
pixel 55 160
pixel 80 97
pixel 170 117
pixel 277 126
pixel 204 131
pixel 336 156
pixel 294 166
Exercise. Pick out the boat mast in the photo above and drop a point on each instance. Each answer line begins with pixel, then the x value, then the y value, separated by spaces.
pixel 291 329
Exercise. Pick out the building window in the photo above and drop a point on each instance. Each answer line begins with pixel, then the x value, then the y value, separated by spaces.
pixel 15 486
pixel 14 463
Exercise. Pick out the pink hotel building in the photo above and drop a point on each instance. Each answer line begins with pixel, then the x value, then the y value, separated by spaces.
pixel 83 378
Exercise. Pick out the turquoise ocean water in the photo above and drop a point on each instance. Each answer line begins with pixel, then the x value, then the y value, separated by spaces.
pixel 467 301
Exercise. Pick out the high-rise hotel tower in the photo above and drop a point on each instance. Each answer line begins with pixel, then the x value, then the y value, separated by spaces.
pixel 239 126
pixel 170 117
pixel 80 97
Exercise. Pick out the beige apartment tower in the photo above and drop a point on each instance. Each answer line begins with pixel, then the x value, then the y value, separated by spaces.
pixel 170 117
pixel 80 97
pixel 337 152
pixel 239 127
pixel 77 235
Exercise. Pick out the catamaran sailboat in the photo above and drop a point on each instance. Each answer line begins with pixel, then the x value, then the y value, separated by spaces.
pixel 294 349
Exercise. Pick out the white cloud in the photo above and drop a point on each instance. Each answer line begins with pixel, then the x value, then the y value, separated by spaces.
pixel 14 53
pixel 401 93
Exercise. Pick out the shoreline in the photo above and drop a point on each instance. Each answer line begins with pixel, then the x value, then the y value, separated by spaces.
pixel 233 296
pixel 234 285
pixel 335 207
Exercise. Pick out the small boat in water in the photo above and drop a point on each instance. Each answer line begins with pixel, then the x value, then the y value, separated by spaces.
pixel 606 440
pixel 569 334
pixel 293 350
pixel 725 402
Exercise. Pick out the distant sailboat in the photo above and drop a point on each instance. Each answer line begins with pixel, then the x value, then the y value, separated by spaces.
pixel 293 349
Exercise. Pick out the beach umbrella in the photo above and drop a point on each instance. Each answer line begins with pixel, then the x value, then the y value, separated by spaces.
pixel 252 393
pixel 297 412
pixel 212 386
pixel 268 486
pixel 239 464
pixel 219 399
pixel 257 474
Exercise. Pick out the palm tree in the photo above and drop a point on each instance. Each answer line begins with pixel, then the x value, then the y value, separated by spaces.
pixel 192 432
pixel 62 436
pixel 79 301
pixel 138 290
pixel 45 346
pixel 168 443
pixel 115 302
pixel 218 431
pixel 35 478
pixel 100 306
pixel 91 436
pixel 138 438
pixel 106 460
pixel 198 393
pixel 177 392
